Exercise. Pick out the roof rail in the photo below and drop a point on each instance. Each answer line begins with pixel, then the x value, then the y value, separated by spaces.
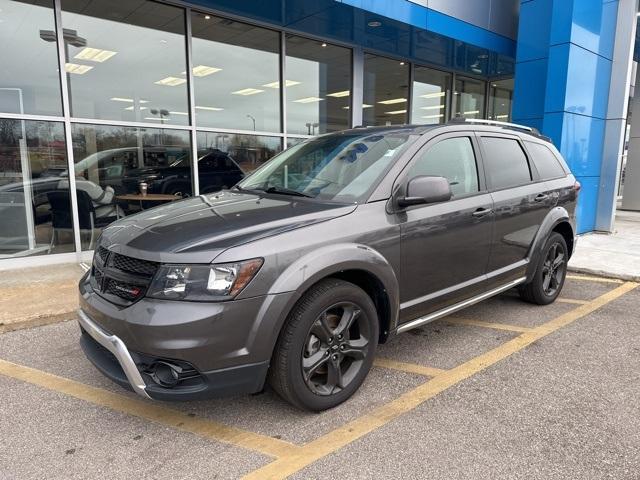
pixel 497 123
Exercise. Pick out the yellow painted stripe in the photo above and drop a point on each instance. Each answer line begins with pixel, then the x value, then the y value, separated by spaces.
pixel 339 438
pixel 150 411
pixel 495 326
pixel 572 300
pixel 407 367
pixel 588 278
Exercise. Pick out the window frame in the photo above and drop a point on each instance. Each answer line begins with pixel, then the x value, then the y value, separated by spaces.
pixel 533 172
pixel 533 162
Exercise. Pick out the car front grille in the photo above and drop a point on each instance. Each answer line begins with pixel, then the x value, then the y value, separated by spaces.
pixel 119 278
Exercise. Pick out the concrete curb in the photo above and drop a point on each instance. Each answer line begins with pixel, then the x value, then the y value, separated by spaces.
pixel 38 322
pixel 602 273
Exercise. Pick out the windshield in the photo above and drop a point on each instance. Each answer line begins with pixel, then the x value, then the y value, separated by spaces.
pixel 342 167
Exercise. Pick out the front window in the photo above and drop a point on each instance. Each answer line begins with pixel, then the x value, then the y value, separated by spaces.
pixel 342 167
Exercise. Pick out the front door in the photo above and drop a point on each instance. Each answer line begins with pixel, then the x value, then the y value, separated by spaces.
pixel 445 246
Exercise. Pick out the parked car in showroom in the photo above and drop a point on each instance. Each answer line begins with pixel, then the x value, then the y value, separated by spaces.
pixel 297 273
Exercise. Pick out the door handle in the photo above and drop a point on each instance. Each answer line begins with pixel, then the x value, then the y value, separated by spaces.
pixel 541 197
pixel 481 212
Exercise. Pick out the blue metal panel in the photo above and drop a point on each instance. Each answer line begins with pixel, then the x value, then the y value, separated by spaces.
pixel 579 138
pixel 529 90
pixel 587 204
pixel 581 81
pixel 589 24
pixel 534 29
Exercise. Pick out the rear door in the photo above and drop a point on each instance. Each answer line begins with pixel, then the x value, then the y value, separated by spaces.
pixel 445 246
pixel 520 200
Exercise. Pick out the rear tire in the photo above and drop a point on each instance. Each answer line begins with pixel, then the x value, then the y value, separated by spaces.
pixel 326 347
pixel 550 273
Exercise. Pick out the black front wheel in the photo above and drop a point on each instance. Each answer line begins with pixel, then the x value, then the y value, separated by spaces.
pixel 550 272
pixel 326 347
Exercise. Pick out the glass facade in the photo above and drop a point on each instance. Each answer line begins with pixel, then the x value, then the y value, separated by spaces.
pixel 135 97
pixel 318 86
pixel 386 91
pixel 431 96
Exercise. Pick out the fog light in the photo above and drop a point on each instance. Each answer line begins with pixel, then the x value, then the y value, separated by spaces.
pixel 165 374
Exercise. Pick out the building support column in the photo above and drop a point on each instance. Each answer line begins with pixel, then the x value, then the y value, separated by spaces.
pixel 631 192
pixel 571 55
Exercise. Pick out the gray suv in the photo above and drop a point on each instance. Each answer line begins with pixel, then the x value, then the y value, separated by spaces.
pixel 296 274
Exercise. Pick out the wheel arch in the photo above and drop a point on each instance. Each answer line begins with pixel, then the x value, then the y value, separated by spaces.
pixel 557 220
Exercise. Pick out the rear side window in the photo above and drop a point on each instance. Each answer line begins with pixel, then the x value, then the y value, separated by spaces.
pixel 452 158
pixel 505 162
pixel 545 161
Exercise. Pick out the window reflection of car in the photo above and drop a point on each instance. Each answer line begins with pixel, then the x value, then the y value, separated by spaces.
pixel 216 171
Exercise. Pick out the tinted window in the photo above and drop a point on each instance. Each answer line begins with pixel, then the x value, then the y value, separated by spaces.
pixel 505 162
pixel 453 159
pixel 545 161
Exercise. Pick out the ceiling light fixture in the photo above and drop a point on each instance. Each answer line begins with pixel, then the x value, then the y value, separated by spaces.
pixel 154 118
pixel 247 91
pixel 77 69
pixel 374 23
pixel 207 17
pixel 396 112
pixel 471 112
pixel 179 113
pixel 343 93
pixel 433 116
pixel 203 70
pixel 309 100
pixel 434 107
pixel 392 101
pixel 287 83
pixel 211 109
pixel 127 100
pixel 95 54
pixel 141 108
pixel 324 45
pixel 171 81
pixel 433 95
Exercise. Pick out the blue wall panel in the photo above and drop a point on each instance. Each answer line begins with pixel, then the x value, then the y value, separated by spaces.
pixel 574 39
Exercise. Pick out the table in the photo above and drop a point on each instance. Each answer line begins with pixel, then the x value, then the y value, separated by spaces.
pixel 149 197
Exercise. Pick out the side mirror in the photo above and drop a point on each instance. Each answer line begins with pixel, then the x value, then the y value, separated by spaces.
pixel 425 189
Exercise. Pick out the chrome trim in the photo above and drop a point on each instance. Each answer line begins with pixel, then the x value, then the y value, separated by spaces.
pixel 458 306
pixel 119 350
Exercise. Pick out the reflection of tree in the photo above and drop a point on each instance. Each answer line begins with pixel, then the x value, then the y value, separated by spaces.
pixel 45 143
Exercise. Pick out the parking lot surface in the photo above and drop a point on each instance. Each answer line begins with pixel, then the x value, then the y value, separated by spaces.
pixel 503 389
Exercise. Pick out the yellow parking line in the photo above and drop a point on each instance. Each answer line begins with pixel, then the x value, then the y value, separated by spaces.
pixel 332 441
pixel 150 411
pixel 407 367
pixel 572 300
pixel 588 278
pixel 495 326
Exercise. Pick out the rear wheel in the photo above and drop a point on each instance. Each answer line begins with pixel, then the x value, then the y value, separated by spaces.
pixel 327 346
pixel 550 274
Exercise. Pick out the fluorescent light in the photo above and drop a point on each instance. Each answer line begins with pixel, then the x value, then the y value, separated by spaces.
pixel 393 100
pixel 95 54
pixel 127 100
pixel 434 107
pixel 171 81
pixel 247 91
pixel 203 70
pixel 344 93
pixel 501 117
pixel 471 112
pixel 179 113
pixel 434 95
pixel 77 69
pixel 141 108
pixel 287 83
pixel 396 112
pixel 211 109
pixel 309 100
pixel 364 105
pixel 153 118
pixel 433 116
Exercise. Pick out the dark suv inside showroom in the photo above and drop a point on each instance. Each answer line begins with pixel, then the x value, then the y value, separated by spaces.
pixel 297 273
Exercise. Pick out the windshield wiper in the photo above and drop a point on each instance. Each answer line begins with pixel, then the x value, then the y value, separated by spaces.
pixel 285 191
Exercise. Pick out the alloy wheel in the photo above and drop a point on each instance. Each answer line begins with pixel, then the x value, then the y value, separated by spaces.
pixel 335 348
pixel 553 269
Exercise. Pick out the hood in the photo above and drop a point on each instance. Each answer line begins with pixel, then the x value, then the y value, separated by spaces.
pixel 197 229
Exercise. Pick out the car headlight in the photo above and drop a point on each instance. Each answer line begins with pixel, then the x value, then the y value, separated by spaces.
pixel 203 283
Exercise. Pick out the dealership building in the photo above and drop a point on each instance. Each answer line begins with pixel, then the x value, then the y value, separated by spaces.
pixel 183 98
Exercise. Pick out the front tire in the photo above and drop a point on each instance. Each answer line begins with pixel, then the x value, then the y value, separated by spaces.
pixel 326 347
pixel 550 273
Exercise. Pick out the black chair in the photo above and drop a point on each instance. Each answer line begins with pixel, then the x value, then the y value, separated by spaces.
pixel 62 219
